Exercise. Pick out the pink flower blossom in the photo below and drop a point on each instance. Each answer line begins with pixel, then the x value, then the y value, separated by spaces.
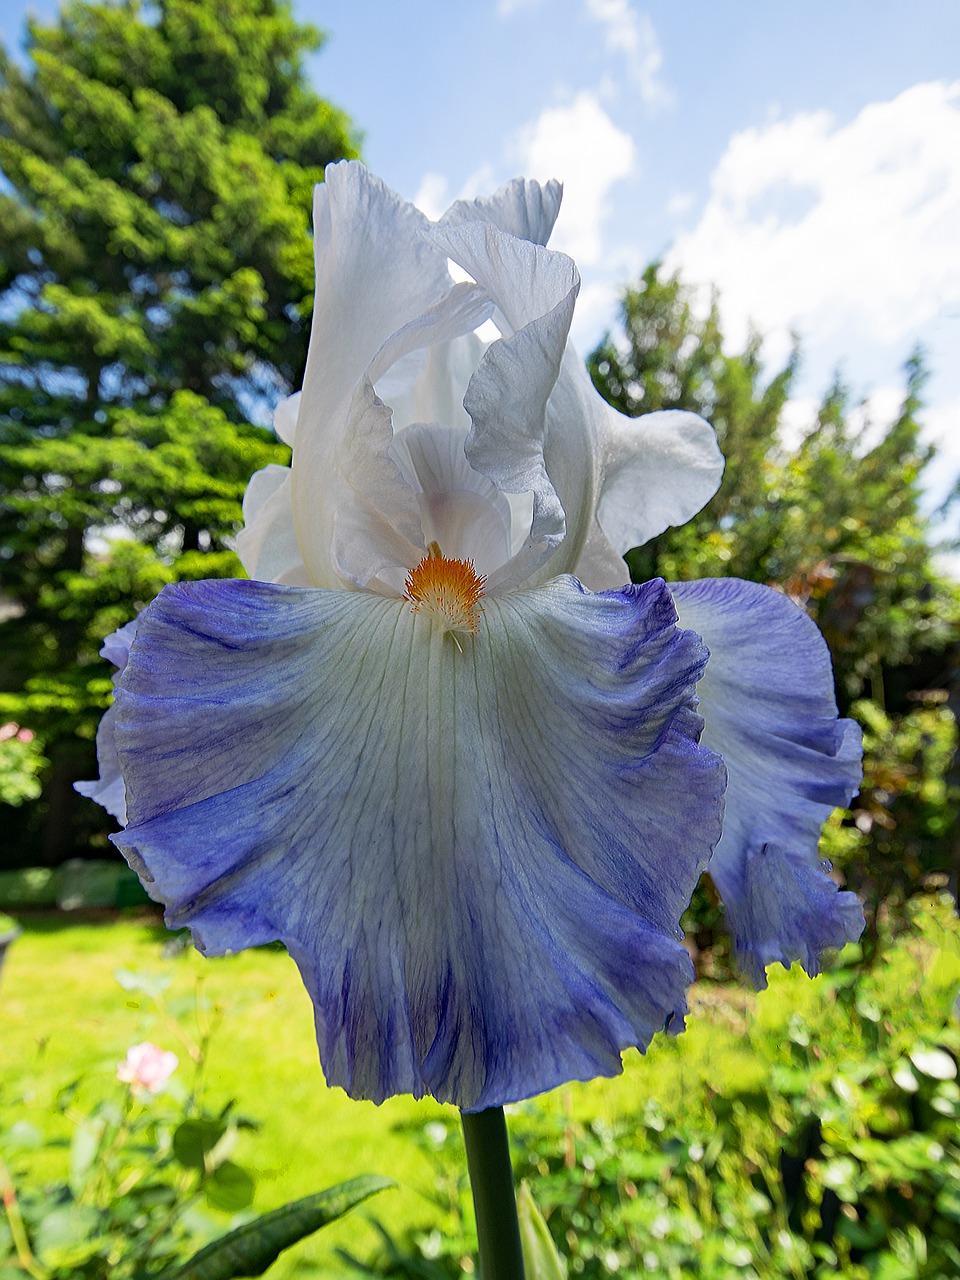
pixel 8 730
pixel 147 1067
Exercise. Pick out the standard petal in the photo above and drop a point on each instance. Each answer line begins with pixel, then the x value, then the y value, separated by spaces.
pixel 267 544
pixel 376 273
pixel 507 403
pixel 523 208
pixel 462 310
pixel 376 518
pixel 460 509
pixel 357 516
pixel 621 480
pixel 768 706
pixel 477 855
pixel 108 790
pixel 523 279
pixel 285 418
pixel 437 394
pixel 535 290
pixel 658 470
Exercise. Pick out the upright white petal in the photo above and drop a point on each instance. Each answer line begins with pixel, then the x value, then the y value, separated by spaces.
pixel 658 471
pixel 522 208
pixel 376 273
pixel 267 544
pixel 460 508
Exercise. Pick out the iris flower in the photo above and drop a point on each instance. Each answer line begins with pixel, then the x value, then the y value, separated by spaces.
pixel 435 745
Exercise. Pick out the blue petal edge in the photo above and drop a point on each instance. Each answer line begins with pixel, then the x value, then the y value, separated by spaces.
pixel 769 709
pixel 478 859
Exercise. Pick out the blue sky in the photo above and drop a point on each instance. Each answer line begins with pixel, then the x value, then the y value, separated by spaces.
pixel 804 158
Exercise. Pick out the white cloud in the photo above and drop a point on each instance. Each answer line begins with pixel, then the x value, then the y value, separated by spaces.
pixel 797 418
pixel 941 427
pixel 679 203
pixel 872 416
pixel 431 197
pixel 632 34
pixel 579 144
pixel 841 230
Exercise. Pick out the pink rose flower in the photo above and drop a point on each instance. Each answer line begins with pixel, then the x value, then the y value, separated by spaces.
pixel 147 1067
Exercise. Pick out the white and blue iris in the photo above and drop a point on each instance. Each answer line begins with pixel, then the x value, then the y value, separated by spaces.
pixel 470 795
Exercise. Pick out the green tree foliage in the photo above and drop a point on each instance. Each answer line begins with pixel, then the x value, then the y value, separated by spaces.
pixel 834 519
pixel 155 294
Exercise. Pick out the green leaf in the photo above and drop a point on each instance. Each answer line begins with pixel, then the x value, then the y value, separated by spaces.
pixel 229 1188
pixel 541 1261
pixel 83 1152
pixel 22 1136
pixel 201 1145
pixel 68 1236
pixel 250 1249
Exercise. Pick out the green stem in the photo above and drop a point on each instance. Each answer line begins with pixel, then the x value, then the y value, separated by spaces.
pixel 491 1180
pixel 18 1232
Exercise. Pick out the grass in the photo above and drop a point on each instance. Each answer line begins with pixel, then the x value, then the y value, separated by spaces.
pixel 65 1016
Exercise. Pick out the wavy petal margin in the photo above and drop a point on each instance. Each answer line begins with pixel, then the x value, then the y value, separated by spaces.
pixel 477 855
pixel 107 790
pixel 768 706
pixel 523 208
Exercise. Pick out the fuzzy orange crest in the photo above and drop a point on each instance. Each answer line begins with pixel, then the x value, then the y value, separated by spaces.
pixel 449 590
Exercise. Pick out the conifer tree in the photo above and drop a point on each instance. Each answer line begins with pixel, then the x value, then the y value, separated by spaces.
pixel 835 521
pixel 155 278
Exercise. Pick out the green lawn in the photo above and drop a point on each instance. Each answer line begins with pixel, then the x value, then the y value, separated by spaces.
pixel 64 1016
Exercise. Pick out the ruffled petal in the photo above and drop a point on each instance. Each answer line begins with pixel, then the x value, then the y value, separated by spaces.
pixel 769 709
pixel 376 273
pixel 789 909
pixel 621 480
pixel 507 397
pixel 462 310
pixel 369 513
pixel 437 394
pixel 523 279
pixel 267 544
pixel 658 470
pixel 477 856
pixel 285 418
pixel 460 509
pixel 108 790
pixel 376 519
pixel 523 208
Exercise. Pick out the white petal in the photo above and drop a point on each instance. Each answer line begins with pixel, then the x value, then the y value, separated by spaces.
pixel 457 314
pixel 437 394
pixel 522 208
pixel 658 470
pixel 524 280
pixel 460 509
pixel 376 517
pixel 375 274
pixel 599 566
pixel 267 544
pixel 285 418
pixel 535 291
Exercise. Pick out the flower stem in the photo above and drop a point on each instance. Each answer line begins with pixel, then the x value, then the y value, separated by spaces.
pixel 491 1180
